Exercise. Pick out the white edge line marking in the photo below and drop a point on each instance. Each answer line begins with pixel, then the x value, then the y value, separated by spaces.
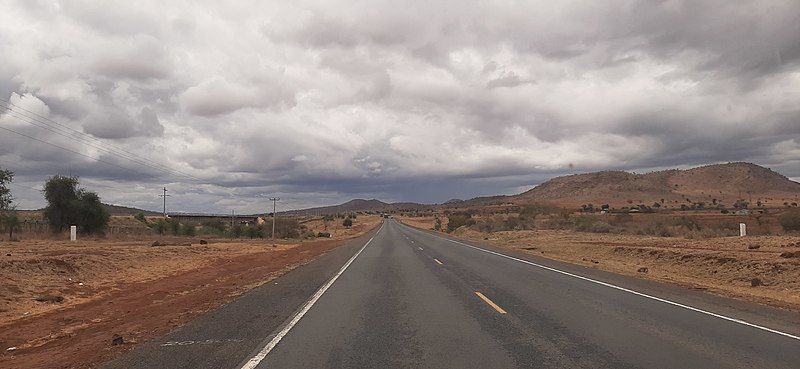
pixel 720 316
pixel 255 360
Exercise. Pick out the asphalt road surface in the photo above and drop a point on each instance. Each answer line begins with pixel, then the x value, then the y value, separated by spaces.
pixel 405 298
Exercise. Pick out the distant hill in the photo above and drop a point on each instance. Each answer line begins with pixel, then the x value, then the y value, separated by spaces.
pixel 372 205
pixel 723 183
pixel 124 210
pixel 720 183
pixel 117 210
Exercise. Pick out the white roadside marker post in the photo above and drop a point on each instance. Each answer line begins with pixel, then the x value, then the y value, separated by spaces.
pixel 73 233
pixel 742 230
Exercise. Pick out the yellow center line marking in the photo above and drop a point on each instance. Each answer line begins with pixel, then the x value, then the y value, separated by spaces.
pixel 437 260
pixel 490 302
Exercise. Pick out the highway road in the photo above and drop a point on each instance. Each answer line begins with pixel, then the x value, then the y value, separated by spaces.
pixel 400 297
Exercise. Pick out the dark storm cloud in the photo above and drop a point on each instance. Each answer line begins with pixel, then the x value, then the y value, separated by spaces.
pixel 417 101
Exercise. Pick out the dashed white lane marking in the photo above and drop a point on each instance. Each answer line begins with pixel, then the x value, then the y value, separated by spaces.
pixel 637 293
pixel 255 360
pixel 437 261
pixel 420 248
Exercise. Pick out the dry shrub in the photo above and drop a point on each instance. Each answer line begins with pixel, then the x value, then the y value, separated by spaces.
pixel 790 220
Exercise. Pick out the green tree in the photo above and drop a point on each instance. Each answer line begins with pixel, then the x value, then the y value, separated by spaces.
pixel 8 220
pixel 67 205
pixel 347 223
pixel 6 176
pixel 10 223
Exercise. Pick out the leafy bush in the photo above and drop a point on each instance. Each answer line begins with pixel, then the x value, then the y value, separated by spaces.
pixel 324 234
pixel 216 227
pixel 539 209
pixel 457 220
pixel 284 228
pixel 254 232
pixel 790 220
pixel 600 227
pixel 167 226
pixel 347 223
pixel 582 223
pixel 159 227
pixel 140 217
pixel 688 223
pixel 236 231
pixel 9 223
pixel 188 230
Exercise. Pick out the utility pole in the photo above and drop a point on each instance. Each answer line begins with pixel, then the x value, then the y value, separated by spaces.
pixel 165 201
pixel 274 200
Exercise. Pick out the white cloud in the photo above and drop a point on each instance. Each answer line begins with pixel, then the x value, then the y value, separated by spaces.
pixel 321 102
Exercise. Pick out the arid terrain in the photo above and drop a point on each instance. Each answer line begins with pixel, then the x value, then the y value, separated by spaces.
pixel 712 185
pixel 63 303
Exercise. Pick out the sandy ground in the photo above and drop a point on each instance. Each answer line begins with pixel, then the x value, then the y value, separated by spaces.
pixel 85 270
pixel 94 289
pixel 723 265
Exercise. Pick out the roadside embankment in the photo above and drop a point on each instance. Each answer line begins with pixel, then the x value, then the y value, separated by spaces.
pixel 763 269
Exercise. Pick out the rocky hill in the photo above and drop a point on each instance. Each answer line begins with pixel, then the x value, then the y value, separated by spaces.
pixel 372 205
pixel 720 183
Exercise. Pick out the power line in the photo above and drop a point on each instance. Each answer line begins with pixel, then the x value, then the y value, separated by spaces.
pixel 91 142
pixel 14 166
pixel 64 148
pixel 71 133
pixel 85 136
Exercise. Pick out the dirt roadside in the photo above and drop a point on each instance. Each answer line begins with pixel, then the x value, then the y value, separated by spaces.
pixel 748 268
pixel 82 334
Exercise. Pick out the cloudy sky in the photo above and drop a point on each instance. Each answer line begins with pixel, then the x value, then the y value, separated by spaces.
pixel 320 102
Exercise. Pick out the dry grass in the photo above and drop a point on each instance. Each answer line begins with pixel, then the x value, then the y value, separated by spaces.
pixel 46 269
pixel 83 270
